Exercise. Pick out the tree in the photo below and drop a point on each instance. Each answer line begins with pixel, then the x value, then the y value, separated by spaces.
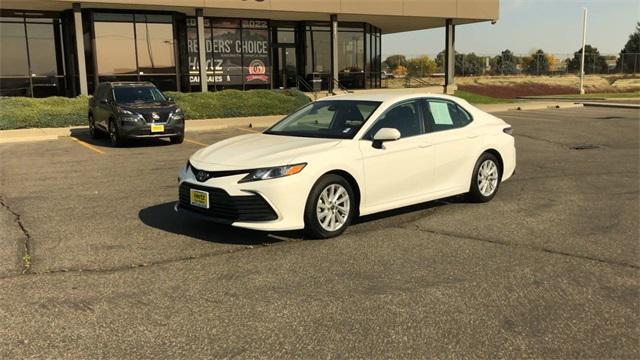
pixel 505 63
pixel 421 66
pixel 594 63
pixel 466 64
pixel 394 61
pixel 400 71
pixel 536 64
pixel 629 60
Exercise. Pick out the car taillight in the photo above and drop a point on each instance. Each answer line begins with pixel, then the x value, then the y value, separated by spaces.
pixel 508 130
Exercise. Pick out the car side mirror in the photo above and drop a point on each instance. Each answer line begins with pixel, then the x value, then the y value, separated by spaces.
pixel 385 134
pixel 104 101
pixel 169 99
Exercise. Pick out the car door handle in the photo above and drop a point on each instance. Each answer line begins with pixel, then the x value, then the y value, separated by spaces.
pixel 473 136
pixel 424 146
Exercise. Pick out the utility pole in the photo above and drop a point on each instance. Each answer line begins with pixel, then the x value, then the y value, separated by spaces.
pixel 584 44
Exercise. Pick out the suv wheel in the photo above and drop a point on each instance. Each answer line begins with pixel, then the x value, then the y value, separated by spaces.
pixel 93 132
pixel 177 139
pixel 114 135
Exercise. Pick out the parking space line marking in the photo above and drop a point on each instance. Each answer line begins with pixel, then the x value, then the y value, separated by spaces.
pixel 195 142
pixel 248 129
pixel 88 146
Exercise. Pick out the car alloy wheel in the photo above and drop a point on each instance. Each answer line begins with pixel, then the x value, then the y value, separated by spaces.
pixel 488 178
pixel 92 128
pixel 333 207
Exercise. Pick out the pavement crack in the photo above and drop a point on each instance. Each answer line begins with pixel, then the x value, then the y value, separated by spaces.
pixel 26 245
pixel 116 269
pixel 528 247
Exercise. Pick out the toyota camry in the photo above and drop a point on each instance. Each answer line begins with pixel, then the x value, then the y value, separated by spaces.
pixel 347 156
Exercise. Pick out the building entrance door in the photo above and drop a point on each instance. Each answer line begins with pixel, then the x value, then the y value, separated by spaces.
pixel 286 67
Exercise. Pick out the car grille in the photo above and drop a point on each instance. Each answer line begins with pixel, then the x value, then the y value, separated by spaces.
pixel 164 117
pixel 227 208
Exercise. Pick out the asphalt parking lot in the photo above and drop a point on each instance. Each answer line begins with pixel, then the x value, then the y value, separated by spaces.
pixel 94 262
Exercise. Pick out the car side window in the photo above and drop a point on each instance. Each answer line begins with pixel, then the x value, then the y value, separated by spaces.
pixel 443 115
pixel 404 117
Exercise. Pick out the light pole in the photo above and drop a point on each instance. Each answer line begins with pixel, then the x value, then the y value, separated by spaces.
pixel 584 44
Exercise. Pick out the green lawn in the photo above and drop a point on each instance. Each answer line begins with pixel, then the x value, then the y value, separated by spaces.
pixel 480 99
pixel 21 112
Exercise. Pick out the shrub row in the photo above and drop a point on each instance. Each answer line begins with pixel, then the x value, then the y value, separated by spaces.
pixel 21 113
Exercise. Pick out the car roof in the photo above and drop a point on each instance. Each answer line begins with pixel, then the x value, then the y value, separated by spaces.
pixel 388 96
pixel 131 84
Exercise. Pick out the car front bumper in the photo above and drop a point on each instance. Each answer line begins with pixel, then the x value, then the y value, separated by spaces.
pixel 268 205
pixel 143 130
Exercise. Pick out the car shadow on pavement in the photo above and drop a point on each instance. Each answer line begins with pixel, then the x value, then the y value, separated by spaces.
pixel 103 141
pixel 163 217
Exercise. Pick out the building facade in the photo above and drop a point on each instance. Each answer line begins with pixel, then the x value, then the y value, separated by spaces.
pixel 65 48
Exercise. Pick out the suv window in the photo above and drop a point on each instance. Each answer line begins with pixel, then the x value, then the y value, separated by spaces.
pixel 143 94
pixel 102 92
pixel 404 117
pixel 443 115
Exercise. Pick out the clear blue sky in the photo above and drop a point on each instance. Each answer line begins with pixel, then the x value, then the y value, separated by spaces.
pixel 552 25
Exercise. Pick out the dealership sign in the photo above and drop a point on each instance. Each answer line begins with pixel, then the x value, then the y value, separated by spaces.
pixel 237 52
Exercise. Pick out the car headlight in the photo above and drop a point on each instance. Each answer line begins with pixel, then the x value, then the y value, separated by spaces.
pixel 130 116
pixel 273 173
pixel 177 115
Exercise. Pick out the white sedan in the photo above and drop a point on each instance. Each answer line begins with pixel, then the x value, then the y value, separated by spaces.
pixel 348 156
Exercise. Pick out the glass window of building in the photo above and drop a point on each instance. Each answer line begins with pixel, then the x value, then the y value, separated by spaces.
pixel 156 53
pixel 115 48
pixel 136 47
pixel 31 60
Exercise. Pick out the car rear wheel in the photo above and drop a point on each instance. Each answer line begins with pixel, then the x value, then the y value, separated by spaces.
pixel 114 135
pixel 486 179
pixel 177 139
pixel 330 207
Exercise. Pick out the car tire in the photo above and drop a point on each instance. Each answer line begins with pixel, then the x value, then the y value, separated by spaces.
pixel 486 178
pixel 93 131
pixel 327 217
pixel 115 139
pixel 177 139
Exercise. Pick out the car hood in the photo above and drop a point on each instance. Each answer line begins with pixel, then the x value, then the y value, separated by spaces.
pixel 259 150
pixel 148 108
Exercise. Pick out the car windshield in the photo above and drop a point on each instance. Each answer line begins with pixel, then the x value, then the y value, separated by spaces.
pixel 132 95
pixel 333 119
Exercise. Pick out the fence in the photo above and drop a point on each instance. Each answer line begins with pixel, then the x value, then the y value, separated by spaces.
pixel 510 64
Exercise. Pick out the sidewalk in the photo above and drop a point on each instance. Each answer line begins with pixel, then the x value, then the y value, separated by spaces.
pixel 28 135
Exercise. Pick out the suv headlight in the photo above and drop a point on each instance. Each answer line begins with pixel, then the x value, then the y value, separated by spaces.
pixel 177 115
pixel 130 116
pixel 272 173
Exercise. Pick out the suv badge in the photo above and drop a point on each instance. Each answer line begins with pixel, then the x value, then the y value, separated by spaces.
pixel 155 116
pixel 202 176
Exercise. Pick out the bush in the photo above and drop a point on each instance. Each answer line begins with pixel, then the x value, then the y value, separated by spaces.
pixel 21 112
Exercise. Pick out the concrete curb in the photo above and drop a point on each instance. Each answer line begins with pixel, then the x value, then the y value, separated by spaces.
pixel 30 135
pixel 611 105
pixel 45 134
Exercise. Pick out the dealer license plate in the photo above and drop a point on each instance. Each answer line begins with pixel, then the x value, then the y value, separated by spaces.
pixel 157 128
pixel 199 198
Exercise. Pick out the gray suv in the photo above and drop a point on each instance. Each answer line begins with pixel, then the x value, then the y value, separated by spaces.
pixel 134 110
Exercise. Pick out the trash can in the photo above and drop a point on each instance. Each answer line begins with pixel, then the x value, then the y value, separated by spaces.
pixel 316 82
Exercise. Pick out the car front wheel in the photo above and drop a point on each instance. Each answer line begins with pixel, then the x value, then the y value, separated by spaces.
pixel 486 179
pixel 114 135
pixel 93 131
pixel 330 207
pixel 177 139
